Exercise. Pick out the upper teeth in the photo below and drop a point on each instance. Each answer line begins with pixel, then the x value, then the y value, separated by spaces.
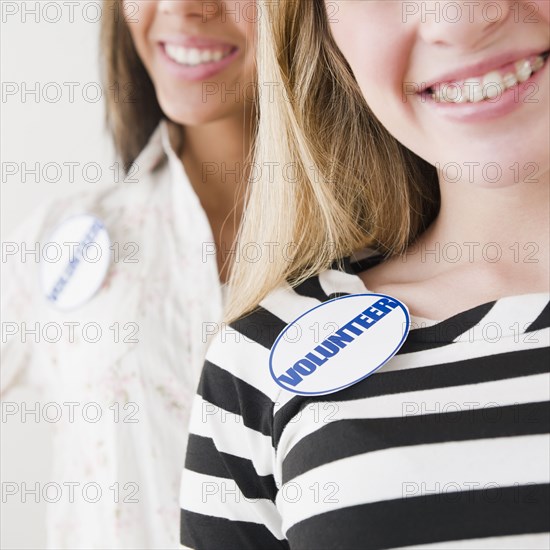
pixel 194 56
pixel 490 86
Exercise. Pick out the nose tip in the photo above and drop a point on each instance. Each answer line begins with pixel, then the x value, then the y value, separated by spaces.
pixel 461 24
pixel 189 8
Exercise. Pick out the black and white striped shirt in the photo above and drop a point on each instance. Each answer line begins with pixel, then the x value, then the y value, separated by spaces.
pixel 446 446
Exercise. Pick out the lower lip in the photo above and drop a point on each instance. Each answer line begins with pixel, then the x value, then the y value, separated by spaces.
pixel 199 72
pixel 509 101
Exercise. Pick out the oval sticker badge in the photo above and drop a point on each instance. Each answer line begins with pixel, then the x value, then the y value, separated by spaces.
pixel 79 264
pixel 338 343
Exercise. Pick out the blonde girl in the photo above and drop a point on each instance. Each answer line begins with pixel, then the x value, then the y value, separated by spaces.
pixel 419 136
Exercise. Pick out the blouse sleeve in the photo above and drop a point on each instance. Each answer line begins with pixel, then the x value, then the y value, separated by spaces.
pixel 19 296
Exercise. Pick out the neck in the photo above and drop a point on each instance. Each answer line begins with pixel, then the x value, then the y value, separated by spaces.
pixel 517 213
pixel 215 155
pixel 481 222
pixel 484 245
pixel 225 141
pixel 216 159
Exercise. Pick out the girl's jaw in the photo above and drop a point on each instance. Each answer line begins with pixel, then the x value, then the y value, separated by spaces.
pixel 200 60
pixel 409 68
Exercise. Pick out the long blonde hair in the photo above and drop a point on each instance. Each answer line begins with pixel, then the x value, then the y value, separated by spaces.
pixel 353 185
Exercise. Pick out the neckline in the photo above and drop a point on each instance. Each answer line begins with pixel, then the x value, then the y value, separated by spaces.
pixel 478 318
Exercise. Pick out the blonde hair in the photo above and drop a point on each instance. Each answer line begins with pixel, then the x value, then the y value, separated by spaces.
pixel 354 185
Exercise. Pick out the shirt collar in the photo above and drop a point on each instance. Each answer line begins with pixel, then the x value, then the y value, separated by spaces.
pixel 157 150
pixel 167 148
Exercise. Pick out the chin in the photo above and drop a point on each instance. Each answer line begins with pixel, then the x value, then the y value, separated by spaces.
pixel 185 115
pixel 185 119
pixel 491 163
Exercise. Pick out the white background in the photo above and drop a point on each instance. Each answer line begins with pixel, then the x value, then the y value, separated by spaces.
pixel 43 54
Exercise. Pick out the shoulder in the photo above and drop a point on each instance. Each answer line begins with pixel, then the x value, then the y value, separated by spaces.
pixel 122 208
pixel 238 356
pixel 120 195
pixel 112 204
pixel 112 195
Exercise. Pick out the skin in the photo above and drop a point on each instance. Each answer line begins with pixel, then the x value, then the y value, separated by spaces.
pixel 216 130
pixel 386 50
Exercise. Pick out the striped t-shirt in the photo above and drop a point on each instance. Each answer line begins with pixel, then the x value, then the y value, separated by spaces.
pixel 446 446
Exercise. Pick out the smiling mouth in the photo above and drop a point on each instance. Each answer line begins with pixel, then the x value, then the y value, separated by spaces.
pixel 489 86
pixel 193 57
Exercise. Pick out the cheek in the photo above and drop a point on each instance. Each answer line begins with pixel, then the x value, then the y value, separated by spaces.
pixel 240 11
pixel 377 63
pixel 244 22
pixel 355 50
pixel 542 8
pixel 379 73
pixel 139 21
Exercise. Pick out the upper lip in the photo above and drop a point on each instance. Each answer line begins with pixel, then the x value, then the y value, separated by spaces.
pixel 188 41
pixel 480 68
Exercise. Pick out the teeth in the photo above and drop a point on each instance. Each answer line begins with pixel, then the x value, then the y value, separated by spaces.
pixel 523 70
pixel 509 80
pixel 490 86
pixel 452 92
pixel 537 63
pixel 194 56
pixel 474 90
pixel 493 85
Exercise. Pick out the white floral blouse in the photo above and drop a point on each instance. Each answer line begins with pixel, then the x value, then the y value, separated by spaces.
pixel 120 402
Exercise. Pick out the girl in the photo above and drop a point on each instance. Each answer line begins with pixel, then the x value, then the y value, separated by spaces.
pixel 418 131
pixel 130 391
